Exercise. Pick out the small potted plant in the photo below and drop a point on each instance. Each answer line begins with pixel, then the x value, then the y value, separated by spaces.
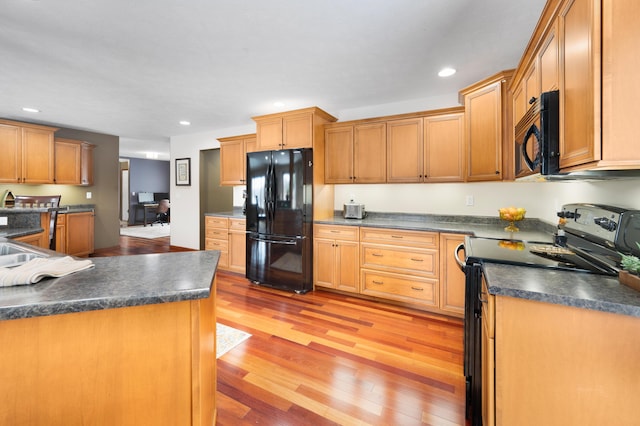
pixel 630 275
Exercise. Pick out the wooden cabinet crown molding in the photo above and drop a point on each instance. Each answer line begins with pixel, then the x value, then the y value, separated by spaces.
pixel 404 116
pixel 312 110
pixel 29 125
pixel 503 76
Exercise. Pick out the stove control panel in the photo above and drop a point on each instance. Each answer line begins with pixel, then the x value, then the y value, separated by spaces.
pixel 592 221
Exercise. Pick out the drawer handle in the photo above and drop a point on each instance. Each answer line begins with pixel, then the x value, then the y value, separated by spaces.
pixel 417 260
pixel 378 282
pixel 377 255
pixel 417 288
pixel 334 231
pixel 397 236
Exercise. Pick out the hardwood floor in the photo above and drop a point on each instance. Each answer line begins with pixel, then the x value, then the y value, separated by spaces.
pixel 325 358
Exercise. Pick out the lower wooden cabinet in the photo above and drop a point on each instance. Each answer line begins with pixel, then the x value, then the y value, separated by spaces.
pixel 412 267
pixel 37 240
pixel 400 265
pixel 452 280
pixel 237 245
pixel 335 257
pixel 228 236
pixel 79 233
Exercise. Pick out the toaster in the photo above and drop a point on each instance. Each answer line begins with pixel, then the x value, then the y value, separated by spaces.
pixel 353 211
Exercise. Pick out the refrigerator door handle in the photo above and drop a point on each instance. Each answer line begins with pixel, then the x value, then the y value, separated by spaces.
pixel 270 241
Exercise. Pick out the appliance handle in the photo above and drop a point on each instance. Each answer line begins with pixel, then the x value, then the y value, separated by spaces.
pixel 532 163
pixel 460 263
pixel 281 242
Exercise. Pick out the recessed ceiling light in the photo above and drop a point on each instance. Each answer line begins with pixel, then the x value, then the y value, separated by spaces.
pixel 278 104
pixel 185 123
pixel 27 109
pixel 446 72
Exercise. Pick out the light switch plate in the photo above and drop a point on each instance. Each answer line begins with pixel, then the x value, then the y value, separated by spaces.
pixel 4 221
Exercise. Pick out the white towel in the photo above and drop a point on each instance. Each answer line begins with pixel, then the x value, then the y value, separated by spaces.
pixel 36 269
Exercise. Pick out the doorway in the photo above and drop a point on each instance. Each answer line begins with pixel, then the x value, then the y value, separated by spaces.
pixel 124 192
pixel 213 197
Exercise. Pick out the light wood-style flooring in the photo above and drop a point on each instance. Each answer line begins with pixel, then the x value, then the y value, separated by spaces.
pixel 325 358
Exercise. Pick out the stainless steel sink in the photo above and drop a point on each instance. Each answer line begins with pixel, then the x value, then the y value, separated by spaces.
pixel 12 254
pixel 16 259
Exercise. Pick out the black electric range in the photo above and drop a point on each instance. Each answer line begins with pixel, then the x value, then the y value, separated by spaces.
pixel 591 239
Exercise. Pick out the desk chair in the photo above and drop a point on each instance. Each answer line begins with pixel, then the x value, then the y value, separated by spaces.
pixel 162 214
pixel 36 201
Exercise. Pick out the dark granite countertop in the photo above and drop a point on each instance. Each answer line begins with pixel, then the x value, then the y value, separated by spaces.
pixel 236 213
pixel 482 226
pixel 18 232
pixel 577 289
pixel 115 282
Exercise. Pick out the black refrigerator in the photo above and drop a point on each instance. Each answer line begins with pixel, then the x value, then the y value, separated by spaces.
pixel 279 211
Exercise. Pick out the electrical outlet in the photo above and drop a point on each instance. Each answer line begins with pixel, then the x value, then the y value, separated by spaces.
pixel 4 221
pixel 89 195
pixel 469 200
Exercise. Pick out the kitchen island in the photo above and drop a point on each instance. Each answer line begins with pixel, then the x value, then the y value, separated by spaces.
pixel 130 341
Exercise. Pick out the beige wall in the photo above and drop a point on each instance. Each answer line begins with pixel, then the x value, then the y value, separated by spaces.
pixel 104 191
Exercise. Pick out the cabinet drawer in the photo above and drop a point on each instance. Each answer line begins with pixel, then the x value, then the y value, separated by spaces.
pixel 238 224
pixel 394 236
pixel 216 222
pixel 213 244
pixel 405 288
pixel 345 233
pixel 401 259
pixel 216 233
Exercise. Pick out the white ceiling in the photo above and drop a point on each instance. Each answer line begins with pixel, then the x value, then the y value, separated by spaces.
pixel 136 68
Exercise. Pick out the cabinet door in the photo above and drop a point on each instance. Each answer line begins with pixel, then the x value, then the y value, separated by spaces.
pixel 484 133
pixel 347 271
pixel 444 148
pixel 68 156
pixel 621 91
pixel 61 233
pixel 250 145
pixel 338 154
pixel 37 155
pixel 297 131
pixel 452 279
pixel 11 158
pixel 232 162
pixel 532 83
pixel 404 150
pixel 237 251
pixel 579 83
pixel 548 61
pixel 269 133
pixel 323 262
pixel 79 239
pixel 370 153
pixel 519 102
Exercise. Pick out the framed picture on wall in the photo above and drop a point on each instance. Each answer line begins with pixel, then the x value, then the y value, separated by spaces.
pixel 183 171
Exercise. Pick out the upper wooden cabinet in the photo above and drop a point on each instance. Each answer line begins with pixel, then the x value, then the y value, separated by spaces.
pixel 27 153
pixel 233 158
pixel 405 147
pixel 586 50
pixel 292 129
pixel 73 162
pixel 423 146
pixel 579 42
pixel 355 153
pixel 487 123
pixel 444 146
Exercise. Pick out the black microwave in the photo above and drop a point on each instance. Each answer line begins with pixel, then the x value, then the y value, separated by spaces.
pixel 537 137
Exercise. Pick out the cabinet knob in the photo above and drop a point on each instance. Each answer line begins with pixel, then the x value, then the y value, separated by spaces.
pixel 497 172
pixel 532 100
